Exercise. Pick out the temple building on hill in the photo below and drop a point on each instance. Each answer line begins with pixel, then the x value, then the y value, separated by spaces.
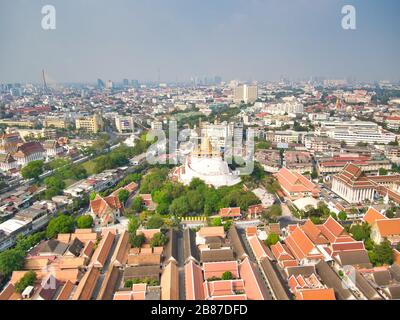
pixel 208 165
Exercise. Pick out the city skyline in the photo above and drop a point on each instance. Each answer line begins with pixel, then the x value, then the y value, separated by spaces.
pixel 246 40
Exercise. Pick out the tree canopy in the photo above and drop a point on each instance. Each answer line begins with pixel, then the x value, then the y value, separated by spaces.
pixel 123 195
pixel 155 222
pixel 60 224
pixel 28 279
pixel 158 240
pixel 32 170
pixel 84 222
pixel 272 239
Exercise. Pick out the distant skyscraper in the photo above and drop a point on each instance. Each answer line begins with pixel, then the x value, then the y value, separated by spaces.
pixel 217 79
pixel 125 82
pixel 135 83
pixel 109 84
pixel 100 84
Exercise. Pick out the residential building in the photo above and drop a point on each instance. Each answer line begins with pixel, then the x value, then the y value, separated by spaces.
pixel 124 124
pixel 92 124
pixel 246 93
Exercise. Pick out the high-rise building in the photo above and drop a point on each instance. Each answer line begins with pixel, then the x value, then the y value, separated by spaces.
pixel 246 93
pixel 125 82
pixel 109 84
pixel 135 83
pixel 100 84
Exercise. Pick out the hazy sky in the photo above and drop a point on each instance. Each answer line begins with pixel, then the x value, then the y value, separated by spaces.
pixel 236 39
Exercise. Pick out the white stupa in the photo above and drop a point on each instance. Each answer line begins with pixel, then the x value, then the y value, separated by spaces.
pixel 207 165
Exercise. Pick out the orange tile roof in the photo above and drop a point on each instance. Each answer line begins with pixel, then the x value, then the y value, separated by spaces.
pixel 212 232
pixel 251 231
pixel 372 215
pixel 121 249
pixel 316 294
pixel 88 249
pixel 64 237
pixel 216 269
pixel 299 244
pixel 251 282
pixel 314 233
pixel 87 285
pixel 193 282
pixel 8 291
pixel 72 263
pixel 103 206
pixel 103 250
pixel 170 282
pixel 229 212
pixel 294 182
pixel 257 248
pixel 255 209
pixel 148 233
pixel 281 252
pixel 66 291
pixel 388 227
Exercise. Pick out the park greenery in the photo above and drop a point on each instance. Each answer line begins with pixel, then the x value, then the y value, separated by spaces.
pixel 195 199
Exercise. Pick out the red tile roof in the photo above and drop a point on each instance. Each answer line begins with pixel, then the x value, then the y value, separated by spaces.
pixel 372 215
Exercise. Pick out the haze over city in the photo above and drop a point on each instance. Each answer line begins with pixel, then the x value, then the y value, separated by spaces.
pixel 176 40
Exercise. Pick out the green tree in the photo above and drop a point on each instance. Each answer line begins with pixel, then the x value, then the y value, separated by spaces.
pixel 272 239
pixel 123 195
pixel 216 222
pixel 137 204
pixel 158 240
pixel 382 254
pixel 61 224
pixel 11 260
pixel 342 215
pixel 179 206
pixel 28 279
pixel 263 145
pixel 133 224
pixel 227 225
pixel 360 232
pixel 383 172
pixel 84 222
pixel 92 195
pixel 273 212
pixel 32 170
pixel 314 174
pixel 137 241
pixel 54 182
pixel 155 222
pixel 227 275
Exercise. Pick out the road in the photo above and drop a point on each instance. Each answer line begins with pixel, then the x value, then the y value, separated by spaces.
pixel 287 216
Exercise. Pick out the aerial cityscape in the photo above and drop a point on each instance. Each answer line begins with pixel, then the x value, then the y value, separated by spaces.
pixel 145 179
